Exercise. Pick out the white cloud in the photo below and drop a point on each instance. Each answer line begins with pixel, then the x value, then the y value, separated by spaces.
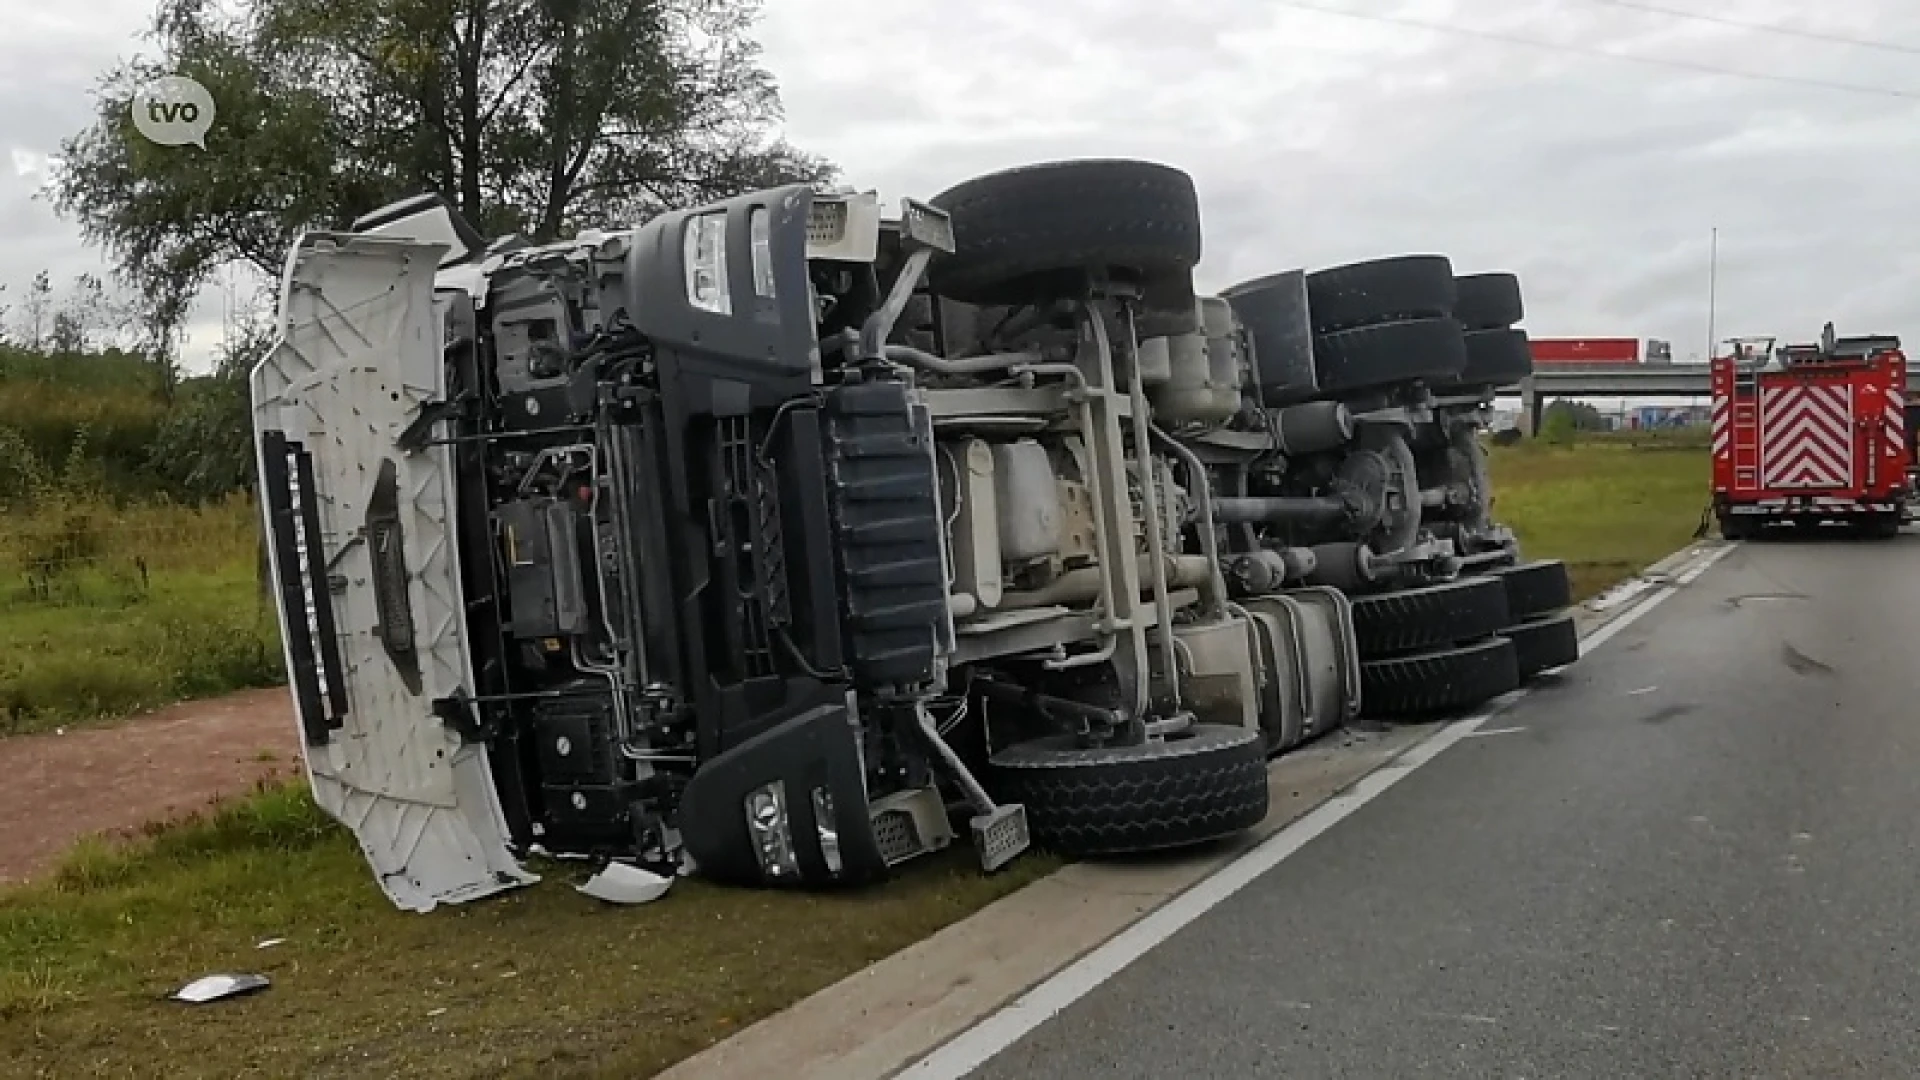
pixel 1316 138
pixel 30 163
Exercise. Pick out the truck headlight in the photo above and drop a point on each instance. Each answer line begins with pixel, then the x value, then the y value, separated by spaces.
pixel 772 831
pixel 705 259
pixel 760 240
pixel 829 831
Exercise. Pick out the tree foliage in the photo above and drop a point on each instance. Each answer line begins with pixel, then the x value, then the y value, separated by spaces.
pixel 1565 418
pixel 534 116
pixel 204 448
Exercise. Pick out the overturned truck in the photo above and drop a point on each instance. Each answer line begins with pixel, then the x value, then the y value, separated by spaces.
pixel 782 542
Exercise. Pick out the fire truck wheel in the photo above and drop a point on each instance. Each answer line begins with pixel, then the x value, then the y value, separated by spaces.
pixel 1733 528
pixel 1487 301
pixel 1544 643
pixel 1536 588
pixel 1884 528
pixel 1380 291
pixel 1438 682
pixel 1038 231
pixel 1412 620
pixel 1202 784
pixel 1397 352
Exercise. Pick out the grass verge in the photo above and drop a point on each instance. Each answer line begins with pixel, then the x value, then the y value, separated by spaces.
pixel 105 612
pixel 541 982
pixel 1609 507
pixel 545 981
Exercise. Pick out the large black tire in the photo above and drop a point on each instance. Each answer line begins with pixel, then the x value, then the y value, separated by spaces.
pixel 1496 358
pixel 1208 783
pixel 1535 588
pixel 1433 616
pixel 1397 352
pixel 1038 231
pixel 1272 309
pixel 1884 527
pixel 1487 301
pixel 1380 291
pixel 1443 681
pixel 1544 643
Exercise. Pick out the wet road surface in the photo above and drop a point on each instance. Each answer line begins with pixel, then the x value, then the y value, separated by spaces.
pixel 1694 853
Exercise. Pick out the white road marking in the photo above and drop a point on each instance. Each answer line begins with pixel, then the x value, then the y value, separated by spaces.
pixel 1622 594
pixel 1642 690
pixel 1692 575
pixel 1497 731
pixel 979 1044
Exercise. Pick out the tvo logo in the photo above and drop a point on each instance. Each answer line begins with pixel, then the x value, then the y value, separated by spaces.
pixel 173 111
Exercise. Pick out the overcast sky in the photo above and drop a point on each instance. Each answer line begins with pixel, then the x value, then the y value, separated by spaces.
pixel 1316 138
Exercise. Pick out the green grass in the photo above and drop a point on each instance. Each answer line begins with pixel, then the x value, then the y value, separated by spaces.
pixel 536 982
pixel 48 403
pixel 87 635
pixel 1609 506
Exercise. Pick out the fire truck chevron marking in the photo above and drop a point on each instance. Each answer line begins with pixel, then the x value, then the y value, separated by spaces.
pixel 1721 442
pixel 1792 425
pixel 1807 440
pixel 1896 421
pixel 1786 436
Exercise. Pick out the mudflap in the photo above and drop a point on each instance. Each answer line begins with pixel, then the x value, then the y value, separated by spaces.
pixel 786 807
pixel 365 569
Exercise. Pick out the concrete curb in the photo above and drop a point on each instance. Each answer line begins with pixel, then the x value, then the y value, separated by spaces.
pixel 883 1018
pixel 1597 612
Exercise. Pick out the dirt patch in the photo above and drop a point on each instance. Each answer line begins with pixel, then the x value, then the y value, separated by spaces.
pixel 60 788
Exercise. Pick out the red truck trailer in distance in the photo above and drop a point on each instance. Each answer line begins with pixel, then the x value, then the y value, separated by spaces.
pixel 1810 433
pixel 1550 351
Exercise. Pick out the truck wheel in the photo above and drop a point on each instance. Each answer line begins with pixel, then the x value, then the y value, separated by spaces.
pixel 1733 528
pixel 1389 353
pixel 1536 588
pixel 1496 358
pixel 1411 620
pixel 1487 301
pixel 1544 643
pixel 1202 784
pixel 1438 682
pixel 1042 228
pixel 1380 291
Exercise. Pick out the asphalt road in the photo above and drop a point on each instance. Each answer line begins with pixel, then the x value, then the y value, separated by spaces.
pixel 1700 857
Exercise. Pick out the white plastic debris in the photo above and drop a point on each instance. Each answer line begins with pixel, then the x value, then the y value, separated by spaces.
pixel 219 987
pixel 271 942
pixel 622 883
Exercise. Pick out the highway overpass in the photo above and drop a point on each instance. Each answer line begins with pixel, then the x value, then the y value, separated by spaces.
pixel 1616 380
pixel 1656 380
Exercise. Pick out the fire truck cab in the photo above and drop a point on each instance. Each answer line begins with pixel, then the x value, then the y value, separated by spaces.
pixel 1811 434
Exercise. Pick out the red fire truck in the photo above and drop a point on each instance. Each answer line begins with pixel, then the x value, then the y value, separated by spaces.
pixel 1811 433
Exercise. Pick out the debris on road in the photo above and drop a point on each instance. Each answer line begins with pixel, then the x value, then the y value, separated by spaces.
pixel 624 883
pixel 211 988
